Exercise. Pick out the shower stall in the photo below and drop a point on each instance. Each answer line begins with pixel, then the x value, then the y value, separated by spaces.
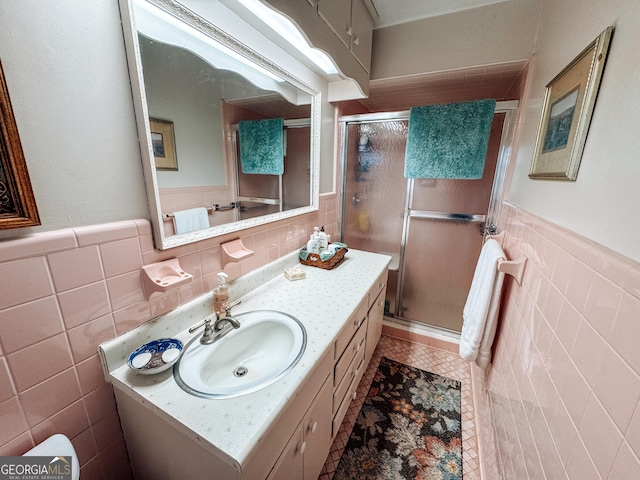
pixel 432 228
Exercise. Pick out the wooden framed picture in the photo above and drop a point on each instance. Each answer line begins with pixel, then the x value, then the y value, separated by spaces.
pixel 163 144
pixel 566 114
pixel 17 202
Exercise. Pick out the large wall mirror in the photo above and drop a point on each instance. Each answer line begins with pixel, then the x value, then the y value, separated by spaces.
pixel 229 140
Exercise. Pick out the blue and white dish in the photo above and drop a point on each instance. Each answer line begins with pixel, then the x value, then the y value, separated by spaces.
pixel 155 356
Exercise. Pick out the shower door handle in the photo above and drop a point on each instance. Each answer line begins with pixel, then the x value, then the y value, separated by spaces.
pixel 451 217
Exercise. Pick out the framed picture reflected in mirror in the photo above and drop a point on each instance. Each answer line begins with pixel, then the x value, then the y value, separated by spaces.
pixel 163 144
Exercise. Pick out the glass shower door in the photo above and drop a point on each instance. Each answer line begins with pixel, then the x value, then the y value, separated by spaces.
pixel 375 192
pixel 444 228
pixel 432 228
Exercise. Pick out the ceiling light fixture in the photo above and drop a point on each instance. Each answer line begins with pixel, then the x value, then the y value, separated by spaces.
pixel 287 30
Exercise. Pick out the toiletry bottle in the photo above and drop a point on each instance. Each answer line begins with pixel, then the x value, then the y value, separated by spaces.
pixel 221 294
pixel 324 243
pixel 313 245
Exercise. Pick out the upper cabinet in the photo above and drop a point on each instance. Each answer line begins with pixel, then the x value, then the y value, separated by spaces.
pixel 344 30
pixel 353 25
pixel 361 34
pixel 337 15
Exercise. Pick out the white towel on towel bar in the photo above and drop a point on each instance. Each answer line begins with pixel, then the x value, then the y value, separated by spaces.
pixel 480 312
pixel 185 221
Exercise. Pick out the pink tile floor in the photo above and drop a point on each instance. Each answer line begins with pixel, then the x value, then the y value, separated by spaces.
pixel 427 358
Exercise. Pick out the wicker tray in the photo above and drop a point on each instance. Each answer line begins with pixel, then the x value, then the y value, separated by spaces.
pixel 314 259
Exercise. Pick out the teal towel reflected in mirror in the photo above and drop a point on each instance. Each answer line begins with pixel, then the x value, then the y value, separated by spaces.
pixel 261 146
pixel 449 140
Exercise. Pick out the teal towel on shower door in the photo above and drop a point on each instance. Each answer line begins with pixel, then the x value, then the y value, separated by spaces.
pixel 449 140
pixel 261 146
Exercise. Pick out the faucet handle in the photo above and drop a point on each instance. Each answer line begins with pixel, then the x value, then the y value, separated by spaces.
pixel 230 306
pixel 208 336
pixel 205 323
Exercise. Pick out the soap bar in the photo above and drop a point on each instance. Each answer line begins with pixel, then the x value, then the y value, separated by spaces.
pixel 294 273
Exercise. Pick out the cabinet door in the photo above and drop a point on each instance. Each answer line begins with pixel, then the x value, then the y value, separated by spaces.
pixel 337 14
pixel 290 465
pixel 317 434
pixel 362 34
pixel 374 327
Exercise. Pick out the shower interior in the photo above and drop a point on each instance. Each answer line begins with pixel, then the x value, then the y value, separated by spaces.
pixel 259 194
pixel 432 228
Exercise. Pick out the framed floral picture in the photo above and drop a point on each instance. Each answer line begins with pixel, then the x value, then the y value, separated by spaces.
pixel 566 114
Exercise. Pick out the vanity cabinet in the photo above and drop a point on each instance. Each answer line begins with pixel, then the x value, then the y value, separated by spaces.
pixel 307 450
pixel 283 431
pixel 375 316
pixel 354 348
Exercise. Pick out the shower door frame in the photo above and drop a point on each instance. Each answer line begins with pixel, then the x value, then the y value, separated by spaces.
pixel 509 108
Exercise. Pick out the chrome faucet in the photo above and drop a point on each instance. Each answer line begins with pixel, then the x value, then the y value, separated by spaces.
pixel 208 336
pixel 221 326
pixel 227 318
pixel 220 320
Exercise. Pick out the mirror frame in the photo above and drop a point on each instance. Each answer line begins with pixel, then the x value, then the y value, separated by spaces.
pixel 132 46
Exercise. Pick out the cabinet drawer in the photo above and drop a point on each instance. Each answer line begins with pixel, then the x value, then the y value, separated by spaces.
pixel 346 401
pixel 374 326
pixel 352 325
pixel 378 286
pixel 349 354
pixel 352 372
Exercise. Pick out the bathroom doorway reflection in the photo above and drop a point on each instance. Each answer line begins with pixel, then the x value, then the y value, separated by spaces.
pixel 432 228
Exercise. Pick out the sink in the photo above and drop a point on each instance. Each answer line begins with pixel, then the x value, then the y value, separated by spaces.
pixel 266 347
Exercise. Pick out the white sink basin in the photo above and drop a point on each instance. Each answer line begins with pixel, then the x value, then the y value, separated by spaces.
pixel 267 345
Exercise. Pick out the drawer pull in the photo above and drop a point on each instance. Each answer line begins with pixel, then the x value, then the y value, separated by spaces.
pixel 313 427
pixel 302 448
pixel 354 395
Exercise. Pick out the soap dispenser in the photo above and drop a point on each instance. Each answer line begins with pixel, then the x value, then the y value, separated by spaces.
pixel 221 294
pixel 313 245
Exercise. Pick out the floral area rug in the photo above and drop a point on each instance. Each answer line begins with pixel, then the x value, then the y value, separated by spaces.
pixel 408 428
